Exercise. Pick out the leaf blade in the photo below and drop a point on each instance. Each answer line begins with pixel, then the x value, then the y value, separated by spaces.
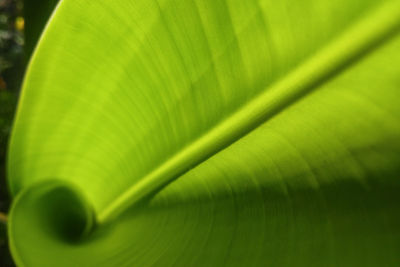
pixel 320 176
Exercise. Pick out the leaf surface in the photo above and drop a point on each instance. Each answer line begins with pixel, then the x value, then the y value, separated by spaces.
pixel 210 133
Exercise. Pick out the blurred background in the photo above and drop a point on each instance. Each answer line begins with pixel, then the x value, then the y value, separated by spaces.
pixel 12 65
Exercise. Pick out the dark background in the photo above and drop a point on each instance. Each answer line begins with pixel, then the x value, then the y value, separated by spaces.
pixel 12 65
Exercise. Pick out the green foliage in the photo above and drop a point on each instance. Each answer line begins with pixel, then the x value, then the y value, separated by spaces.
pixel 210 133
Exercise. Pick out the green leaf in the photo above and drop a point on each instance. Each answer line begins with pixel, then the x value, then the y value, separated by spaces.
pixel 210 133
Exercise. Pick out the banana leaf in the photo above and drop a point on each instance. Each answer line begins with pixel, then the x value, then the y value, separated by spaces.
pixel 210 133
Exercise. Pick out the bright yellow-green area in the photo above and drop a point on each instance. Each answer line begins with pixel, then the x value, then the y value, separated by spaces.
pixel 210 133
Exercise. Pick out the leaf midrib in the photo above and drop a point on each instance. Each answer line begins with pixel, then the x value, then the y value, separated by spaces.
pixel 362 37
